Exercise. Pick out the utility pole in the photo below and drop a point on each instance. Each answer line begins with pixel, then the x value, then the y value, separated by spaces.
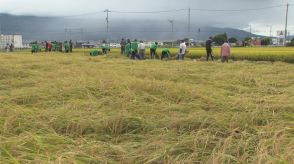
pixel 172 29
pixel 107 23
pixel 271 29
pixel 107 20
pixel 250 30
pixel 172 25
pixel 189 25
pixel 65 30
pixel 82 34
pixel 70 34
pixel 189 20
pixel 286 24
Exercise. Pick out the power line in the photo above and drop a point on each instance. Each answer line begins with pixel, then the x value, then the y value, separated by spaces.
pixel 174 10
pixel 147 12
pixel 82 15
pixel 197 9
pixel 238 10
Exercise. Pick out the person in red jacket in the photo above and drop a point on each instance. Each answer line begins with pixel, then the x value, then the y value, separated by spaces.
pixel 49 47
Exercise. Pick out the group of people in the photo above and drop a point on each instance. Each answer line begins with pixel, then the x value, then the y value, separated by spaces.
pixel 137 50
pixel 54 46
pixel 225 51
pixel 9 47
pixel 133 49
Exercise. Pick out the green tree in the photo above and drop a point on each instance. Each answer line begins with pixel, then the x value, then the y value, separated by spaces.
pixel 233 40
pixel 247 41
pixel 291 43
pixel 220 39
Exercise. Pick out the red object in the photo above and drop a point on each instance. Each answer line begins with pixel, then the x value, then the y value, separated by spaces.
pixel 49 46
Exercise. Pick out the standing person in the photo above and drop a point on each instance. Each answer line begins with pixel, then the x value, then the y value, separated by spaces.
pixel 225 52
pixel 60 46
pixel 128 48
pixel 165 53
pixel 209 49
pixel 46 46
pixel 134 49
pixel 54 46
pixel 66 47
pixel 182 50
pixel 142 50
pixel 123 46
pixel 105 47
pixel 49 46
pixel 11 47
pixel 7 47
pixel 153 48
pixel 70 46
pixel 34 47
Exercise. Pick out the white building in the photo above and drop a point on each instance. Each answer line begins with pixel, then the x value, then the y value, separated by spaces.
pixel 16 40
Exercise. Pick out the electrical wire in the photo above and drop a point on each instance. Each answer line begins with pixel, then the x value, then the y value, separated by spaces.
pixel 238 10
pixel 176 10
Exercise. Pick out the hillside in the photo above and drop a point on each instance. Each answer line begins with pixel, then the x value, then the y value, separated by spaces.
pixel 53 28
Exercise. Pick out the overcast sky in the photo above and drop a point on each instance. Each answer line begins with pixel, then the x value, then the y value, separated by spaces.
pixel 260 20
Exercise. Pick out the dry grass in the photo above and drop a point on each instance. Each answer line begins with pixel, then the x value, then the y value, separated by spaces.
pixel 78 109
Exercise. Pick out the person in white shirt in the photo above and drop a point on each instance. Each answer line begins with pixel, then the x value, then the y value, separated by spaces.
pixel 142 50
pixel 182 50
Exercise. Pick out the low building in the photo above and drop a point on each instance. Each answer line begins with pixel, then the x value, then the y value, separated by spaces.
pixel 16 40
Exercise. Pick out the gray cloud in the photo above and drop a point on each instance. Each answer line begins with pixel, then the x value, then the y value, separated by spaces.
pixel 259 19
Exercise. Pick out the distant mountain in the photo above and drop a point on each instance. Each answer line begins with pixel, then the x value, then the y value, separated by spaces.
pixel 55 28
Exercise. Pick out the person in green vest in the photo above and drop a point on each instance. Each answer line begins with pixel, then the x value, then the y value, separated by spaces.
pixel 105 47
pixel 153 48
pixel 54 46
pixel 95 53
pixel 66 47
pixel 128 48
pixel 165 53
pixel 134 48
pixel 34 47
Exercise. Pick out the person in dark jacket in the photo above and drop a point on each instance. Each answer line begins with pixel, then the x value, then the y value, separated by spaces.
pixel 123 46
pixel 11 47
pixel 209 53
pixel 70 46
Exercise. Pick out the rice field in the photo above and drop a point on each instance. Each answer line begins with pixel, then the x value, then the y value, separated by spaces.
pixel 283 54
pixel 58 108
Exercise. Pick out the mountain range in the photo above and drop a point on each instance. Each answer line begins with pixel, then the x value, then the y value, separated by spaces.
pixel 63 28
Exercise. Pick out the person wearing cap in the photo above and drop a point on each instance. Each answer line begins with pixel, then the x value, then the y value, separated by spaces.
pixel 209 53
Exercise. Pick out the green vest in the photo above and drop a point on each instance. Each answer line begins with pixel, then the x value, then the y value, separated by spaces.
pixel 134 46
pixel 153 46
pixel 128 48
